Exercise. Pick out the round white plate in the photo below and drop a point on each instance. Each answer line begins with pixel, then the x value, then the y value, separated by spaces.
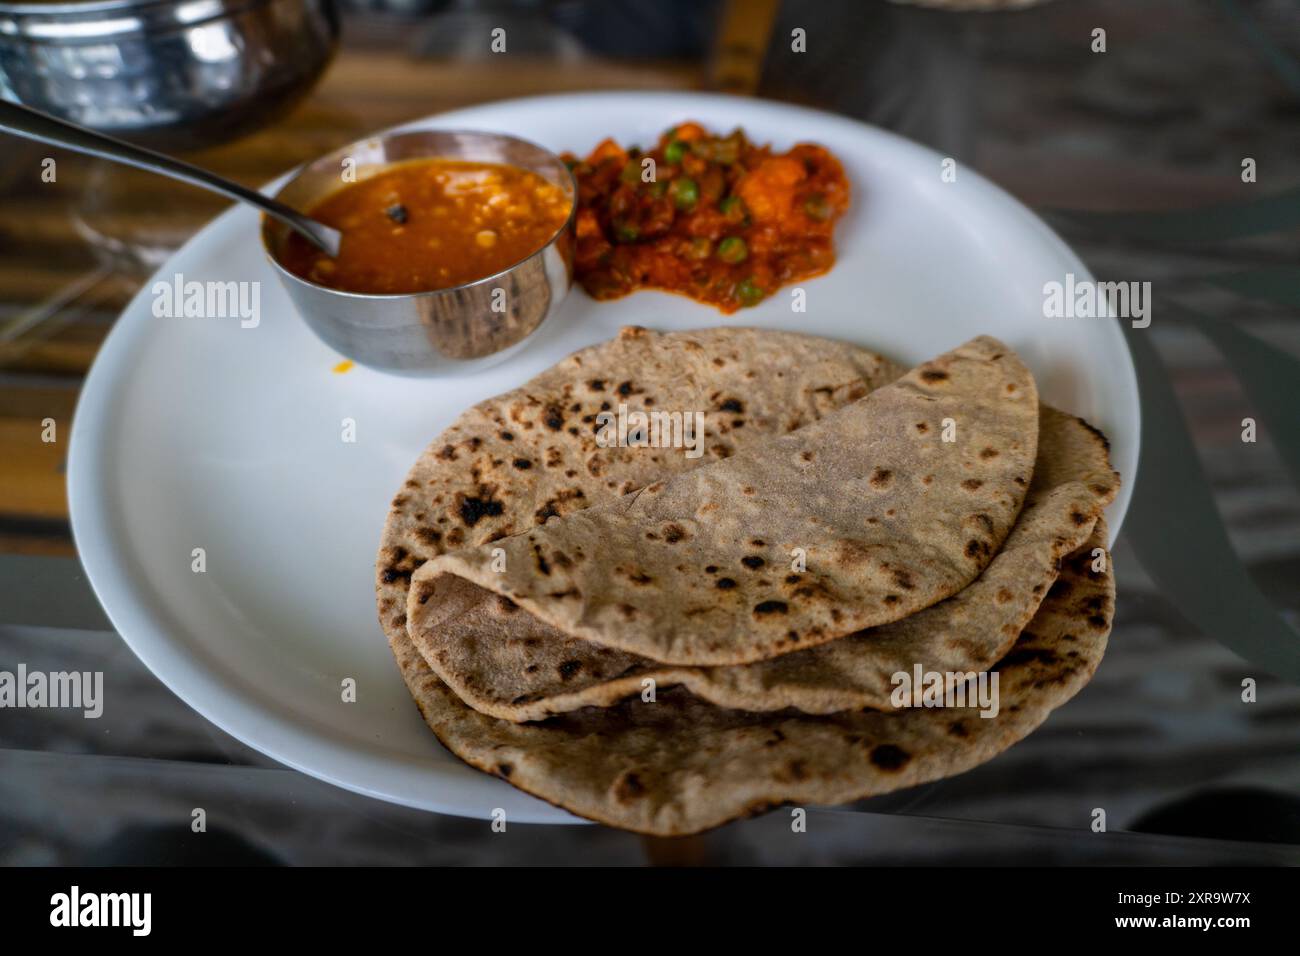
pixel 199 433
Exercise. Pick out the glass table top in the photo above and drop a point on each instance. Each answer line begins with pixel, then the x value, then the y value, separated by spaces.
pixel 1109 147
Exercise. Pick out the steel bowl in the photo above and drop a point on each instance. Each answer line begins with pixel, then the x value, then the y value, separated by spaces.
pixel 453 329
pixel 173 73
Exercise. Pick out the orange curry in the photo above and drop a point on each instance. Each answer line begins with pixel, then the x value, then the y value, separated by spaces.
pixel 430 224
pixel 721 220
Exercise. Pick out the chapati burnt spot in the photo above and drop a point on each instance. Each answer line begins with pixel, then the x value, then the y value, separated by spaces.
pixel 553 417
pixel 889 757
pixel 725 584
pixel 753 562
pixel 881 478
pixel 628 787
pixel 797 771
pixel 903 578
pixel 401 564
pixel 674 533
pixel 933 375
pixel 770 607
pixel 557 505
pixel 1021 655
pixel 1105 442
pixel 568 668
pixel 428 536
pixel 474 508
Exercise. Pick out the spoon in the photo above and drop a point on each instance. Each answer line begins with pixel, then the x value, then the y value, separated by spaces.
pixel 35 125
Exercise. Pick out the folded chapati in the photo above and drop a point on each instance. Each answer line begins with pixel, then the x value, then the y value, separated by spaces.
pixel 510 665
pixel 510 463
pixel 680 765
pixel 896 501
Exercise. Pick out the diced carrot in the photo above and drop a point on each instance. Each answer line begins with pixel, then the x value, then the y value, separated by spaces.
pixel 607 149
pixel 689 132
pixel 768 190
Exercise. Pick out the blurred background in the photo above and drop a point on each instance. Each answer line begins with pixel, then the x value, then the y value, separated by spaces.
pixel 1100 143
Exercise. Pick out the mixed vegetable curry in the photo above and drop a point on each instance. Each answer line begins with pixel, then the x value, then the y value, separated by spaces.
pixel 713 217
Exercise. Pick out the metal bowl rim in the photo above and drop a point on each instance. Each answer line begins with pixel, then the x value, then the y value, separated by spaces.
pixel 394 134
pixel 87 7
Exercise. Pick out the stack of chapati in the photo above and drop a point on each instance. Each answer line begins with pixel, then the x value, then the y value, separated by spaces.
pixel 665 641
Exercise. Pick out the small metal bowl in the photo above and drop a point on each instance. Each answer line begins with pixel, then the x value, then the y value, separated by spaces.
pixel 453 329
pixel 175 74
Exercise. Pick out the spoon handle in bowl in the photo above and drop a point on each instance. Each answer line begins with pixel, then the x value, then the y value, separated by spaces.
pixel 32 124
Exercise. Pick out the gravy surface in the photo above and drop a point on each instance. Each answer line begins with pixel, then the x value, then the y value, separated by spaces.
pixel 430 224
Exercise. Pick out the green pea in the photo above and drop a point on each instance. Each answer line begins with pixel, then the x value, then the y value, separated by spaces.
pixel 748 293
pixel 631 173
pixel 721 151
pixel 733 250
pixel 734 209
pixel 701 248
pixel 684 192
pixel 626 232
pixel 817 207
pixel 658 188
pixel 674 152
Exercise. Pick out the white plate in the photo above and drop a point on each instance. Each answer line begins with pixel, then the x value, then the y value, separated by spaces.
pixel 197 433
